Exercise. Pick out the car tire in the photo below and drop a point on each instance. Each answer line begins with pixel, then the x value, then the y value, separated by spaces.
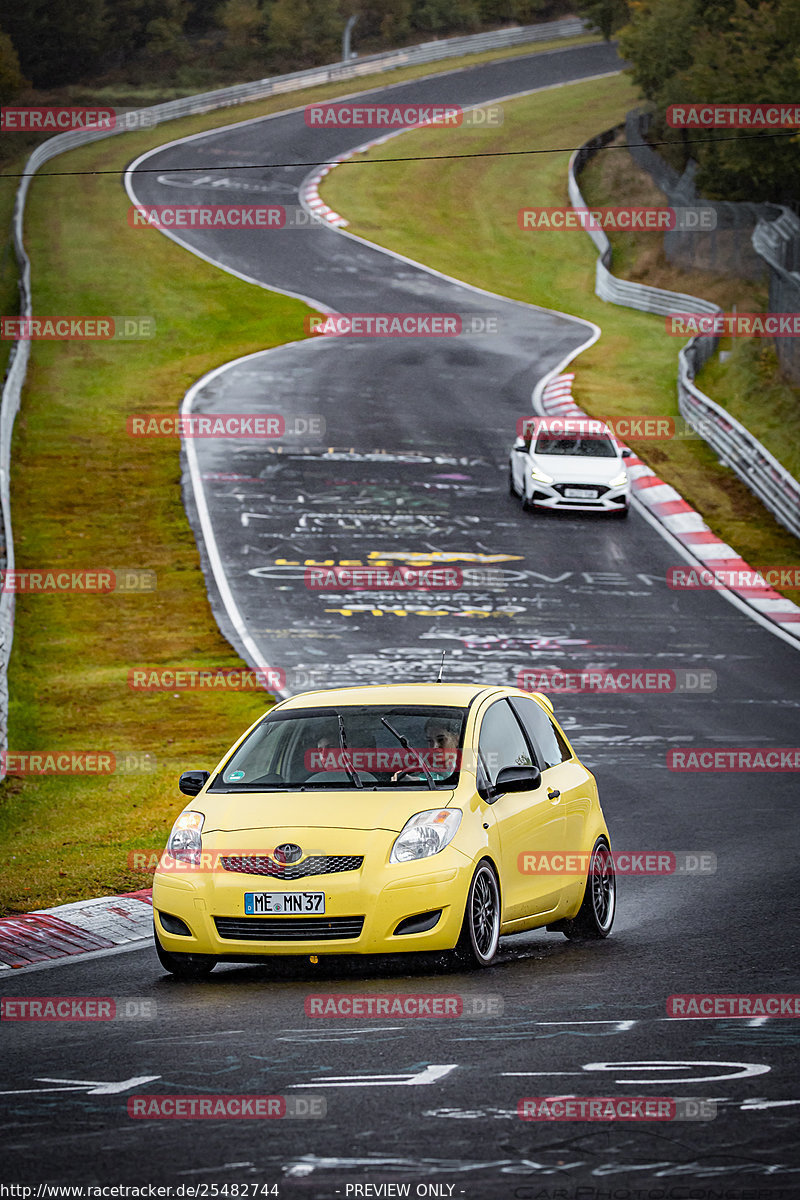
pixel 184 966
pixel 480 931
pixel 512 491
pixel 527 505
pixel 596 914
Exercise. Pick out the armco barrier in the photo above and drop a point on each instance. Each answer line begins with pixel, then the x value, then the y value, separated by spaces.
pixel 169 111
pixel 778 490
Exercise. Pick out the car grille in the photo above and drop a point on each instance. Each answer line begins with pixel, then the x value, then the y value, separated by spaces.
pixel 321 864
pixel 288 929
pixel 597 490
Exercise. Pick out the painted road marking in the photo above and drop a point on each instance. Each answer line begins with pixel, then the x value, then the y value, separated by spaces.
pixel 429 1075
pixel 94 1086
pixel 746 1070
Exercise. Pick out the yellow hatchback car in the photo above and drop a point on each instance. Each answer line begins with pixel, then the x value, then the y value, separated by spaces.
pixel 373 820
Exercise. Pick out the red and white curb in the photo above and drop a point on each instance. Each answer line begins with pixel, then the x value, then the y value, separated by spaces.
pixel 684 523
pixel 309 195
pixel 53 933
pixel 309 188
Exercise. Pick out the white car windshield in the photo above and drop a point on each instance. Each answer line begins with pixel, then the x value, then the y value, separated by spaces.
pixel 580 446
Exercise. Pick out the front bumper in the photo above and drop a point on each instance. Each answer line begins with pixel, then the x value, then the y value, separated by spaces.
pixel 606 499
pixel 362 910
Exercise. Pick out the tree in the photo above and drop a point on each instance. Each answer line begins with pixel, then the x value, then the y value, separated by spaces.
pixel 12 80
pixel 607 16
pixel 244 23
pixel 658 42
pixel 722 52
pixel 58 41
pixel 304 33
pixel 445 16
pixel 165 31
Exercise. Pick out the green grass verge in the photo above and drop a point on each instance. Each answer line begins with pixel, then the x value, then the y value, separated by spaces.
pixel 460 216
pixel 748 382
pixel 86 495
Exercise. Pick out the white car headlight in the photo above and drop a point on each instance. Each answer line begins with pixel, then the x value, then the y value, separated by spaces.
pixel 618 480
pixel 185 842
pixel 425 834
pixel 540 476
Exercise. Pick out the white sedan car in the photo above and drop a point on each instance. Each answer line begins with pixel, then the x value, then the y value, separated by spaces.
pixel 569 463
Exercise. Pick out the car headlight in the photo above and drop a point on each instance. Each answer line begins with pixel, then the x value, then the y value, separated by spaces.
pixel 184 842
pixel 425 834
pixel 618 480
pixel 540 476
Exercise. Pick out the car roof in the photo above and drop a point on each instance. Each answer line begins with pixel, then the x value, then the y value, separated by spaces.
pixel 455 695
pixel 571 427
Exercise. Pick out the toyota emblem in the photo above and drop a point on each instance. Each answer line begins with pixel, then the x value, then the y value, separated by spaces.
pixel 287 853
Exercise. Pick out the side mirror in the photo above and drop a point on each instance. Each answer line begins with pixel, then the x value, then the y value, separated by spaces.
pixel 192 782
pixel 517 779
pixel 519 443
pixel 626 453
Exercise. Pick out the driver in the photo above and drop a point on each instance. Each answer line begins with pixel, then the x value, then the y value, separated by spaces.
pixel 441 736
pixel 316 758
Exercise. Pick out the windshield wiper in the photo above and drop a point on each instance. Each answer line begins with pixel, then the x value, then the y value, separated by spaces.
pixel 405 744
pixel 352 773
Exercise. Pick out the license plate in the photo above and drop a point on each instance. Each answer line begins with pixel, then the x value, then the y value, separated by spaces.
pixel 580 493
pixel 280 903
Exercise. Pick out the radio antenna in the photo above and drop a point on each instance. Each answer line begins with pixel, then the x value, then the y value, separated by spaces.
pixel 441 668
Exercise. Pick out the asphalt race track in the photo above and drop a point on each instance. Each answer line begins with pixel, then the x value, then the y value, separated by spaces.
pixel 412 469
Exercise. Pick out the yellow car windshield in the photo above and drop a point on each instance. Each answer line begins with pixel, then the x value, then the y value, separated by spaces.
pixel 349 747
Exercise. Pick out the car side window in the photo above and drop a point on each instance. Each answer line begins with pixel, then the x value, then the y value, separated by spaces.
pixel 501 742
pixel 551 748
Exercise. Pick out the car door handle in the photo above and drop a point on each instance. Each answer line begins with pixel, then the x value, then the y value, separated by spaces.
pixel 553 793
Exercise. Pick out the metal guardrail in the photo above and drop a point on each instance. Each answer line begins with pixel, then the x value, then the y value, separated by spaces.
pixel 171 110
pixel 777 243
pixel 737 448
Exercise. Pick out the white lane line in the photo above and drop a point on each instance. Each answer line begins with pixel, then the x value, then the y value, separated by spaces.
pixel 429 1075
pixel 95 1087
